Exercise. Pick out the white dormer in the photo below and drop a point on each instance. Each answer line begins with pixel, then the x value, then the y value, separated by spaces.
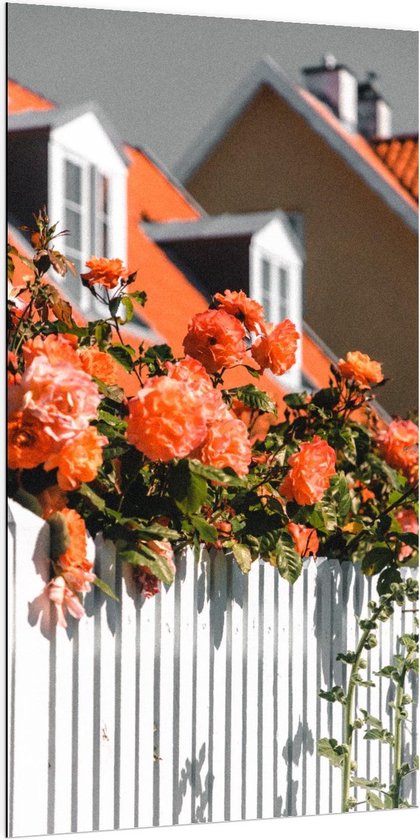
pixel 276 282
pixel 87 193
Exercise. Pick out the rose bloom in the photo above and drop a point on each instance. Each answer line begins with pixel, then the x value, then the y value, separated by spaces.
pixel 305 539
pixel 63 398
pixel 310 471
pixel 216 339
pixel 52 500
pixel 28 443
pixel 398 444
pixel 227 445
pixel 166 420
pixel 75 556
pixel 409 523
pixel 13 375
pixel 99 364
pixel 64 600
pixel 59 349
pixel 165 550
pixel 105 272
pixel 243 307
pixel 361 369
pixel 78 459
pixel 193 373
pixel 276 350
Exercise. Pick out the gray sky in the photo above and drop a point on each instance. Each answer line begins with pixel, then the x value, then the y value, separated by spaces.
pixel 161 77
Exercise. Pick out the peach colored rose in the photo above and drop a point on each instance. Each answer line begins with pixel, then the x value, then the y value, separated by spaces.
pixel 105 272
pixel 216 339
pixel 276 350
pixel 166 420
pixel 409 524
pixel 64 599
pixel 78 459
pixel 75 555
pixel 310 471
pixel 193 373
pixel 63 398
pixel 227 445
pixel 59 349
pixel 305 539
pixel 99 364
pixel 243 307
pixel 361 369
pixel 28 443
pixel 398 444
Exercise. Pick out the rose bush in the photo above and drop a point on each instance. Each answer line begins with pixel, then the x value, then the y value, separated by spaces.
pixel 187 460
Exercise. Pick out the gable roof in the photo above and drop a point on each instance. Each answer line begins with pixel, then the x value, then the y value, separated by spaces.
pixel 225 225
pixel 20 98
pixel 353 148
pixel 400 155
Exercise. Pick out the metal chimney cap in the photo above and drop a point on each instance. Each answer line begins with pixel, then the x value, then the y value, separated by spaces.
pixel 329 61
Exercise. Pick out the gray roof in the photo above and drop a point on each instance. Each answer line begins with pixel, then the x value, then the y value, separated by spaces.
pixel 216 227
pixel 55 117
pixel 268 73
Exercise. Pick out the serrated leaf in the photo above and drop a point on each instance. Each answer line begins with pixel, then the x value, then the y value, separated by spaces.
pixel 349 658
pixel 336 693
pixel 243 557
pixel 114 305
pixel 122 354
pixel 375 801
pixel 289 562
pixel 331 749
pixel 139 297
pixel 105 588
pixel 253 398
pixel 206 531
pixel 371 720
pixel 298 400
pixel 359 781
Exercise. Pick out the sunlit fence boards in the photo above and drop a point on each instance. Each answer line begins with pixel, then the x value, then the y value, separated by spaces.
pixel 198 705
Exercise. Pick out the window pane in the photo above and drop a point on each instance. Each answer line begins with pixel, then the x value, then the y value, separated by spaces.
pixel 266 289
pixel 73 225
pixel 284 293
pixel 103 194
pixel 73 182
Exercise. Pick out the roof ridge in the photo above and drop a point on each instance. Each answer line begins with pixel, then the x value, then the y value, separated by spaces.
pixel 34 92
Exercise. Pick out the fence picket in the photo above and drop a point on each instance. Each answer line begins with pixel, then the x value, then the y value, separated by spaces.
pixel 197 705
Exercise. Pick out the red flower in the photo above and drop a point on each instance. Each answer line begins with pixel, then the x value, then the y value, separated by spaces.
pixel 216 339
pixel 243 307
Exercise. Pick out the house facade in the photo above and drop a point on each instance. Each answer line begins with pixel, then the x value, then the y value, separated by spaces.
pixel 325 151
pixel 119 201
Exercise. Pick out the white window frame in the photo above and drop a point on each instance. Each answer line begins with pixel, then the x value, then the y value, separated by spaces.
pixel 285 259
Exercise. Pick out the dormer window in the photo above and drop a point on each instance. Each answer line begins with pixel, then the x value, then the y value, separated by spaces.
pixel 87 194
pixel 276 282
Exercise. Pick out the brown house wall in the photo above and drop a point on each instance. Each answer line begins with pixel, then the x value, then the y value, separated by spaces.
pixel 361 259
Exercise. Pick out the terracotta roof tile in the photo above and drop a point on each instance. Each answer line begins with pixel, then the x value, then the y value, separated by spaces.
pixel 23 99
pixel 401 157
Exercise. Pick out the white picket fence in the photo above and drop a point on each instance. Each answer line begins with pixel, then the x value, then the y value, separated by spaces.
pixel 199 705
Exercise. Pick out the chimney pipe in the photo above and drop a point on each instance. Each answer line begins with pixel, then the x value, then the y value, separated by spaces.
pixel 375 117
pixel 335 85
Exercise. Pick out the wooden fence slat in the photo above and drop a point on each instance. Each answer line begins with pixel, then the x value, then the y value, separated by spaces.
pixel 198 705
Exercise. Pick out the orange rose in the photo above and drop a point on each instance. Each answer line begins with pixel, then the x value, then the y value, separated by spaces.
pixel 305 539
pixel 99 364
pixel 59 349
pixel 216 339
pixel 398 444
pixel 361 369
pixel 276 350
pixel 76 554
pixel 227 445
pixel 243 307
pixel 78 459
pixel 193 373
pixel 310 471
pixel 105 272
pixel 409 524
pixel 166 420
pixel 28 443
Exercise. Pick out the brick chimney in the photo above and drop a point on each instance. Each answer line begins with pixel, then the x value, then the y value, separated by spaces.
pixel 375 117
pixel 335 85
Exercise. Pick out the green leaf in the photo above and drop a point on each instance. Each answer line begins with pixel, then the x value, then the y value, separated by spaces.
pixel 139 297
pixel 376 735
pixel 298 400
pixel 336 693
pixel 375 801
pixel 59 535
pixel 105 588
pixel 405 537
pixel 255 373
pixel 289 562
pixel 206 531
pixel 253 398
pixel 359 781
pixel 214 474
pixel 122 354
pixel 28 501
pixel 326 397
pixel 386 579
pixel 243 557
pixel 188 489
pixel 376 559
pixel 372 721
pixel 142 555
pixel 114 305
pixel 93 497
pixel 349 658
pixel 331 749
pixel 128 306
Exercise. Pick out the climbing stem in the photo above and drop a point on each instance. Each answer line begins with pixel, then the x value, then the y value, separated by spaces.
pixel 398 738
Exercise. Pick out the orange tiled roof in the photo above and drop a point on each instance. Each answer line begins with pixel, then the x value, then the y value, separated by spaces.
pixel 23 99
pixel 363 147
pixel 401 156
